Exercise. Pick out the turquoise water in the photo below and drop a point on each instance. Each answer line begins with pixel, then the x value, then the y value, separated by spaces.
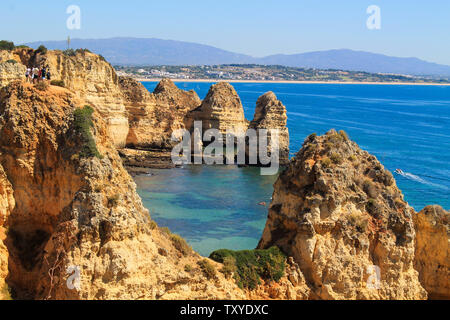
pixel 406 127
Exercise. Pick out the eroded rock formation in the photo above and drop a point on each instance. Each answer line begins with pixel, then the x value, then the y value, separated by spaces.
pixel 7 204
pixel 432 257
pixel 336 212
pixel 77 215
pixel 222 110
pixel 340 215
pixel 270 114
pixel 87 75
pixel 154 117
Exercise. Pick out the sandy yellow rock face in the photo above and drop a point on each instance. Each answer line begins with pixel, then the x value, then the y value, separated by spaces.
pixel 432 256
pixel 153 117
pixel 10 72
pixel 336 212
pixel 87 75
pixel 339 214
pixel 270 113
pixel 6 206
pixel 81 215
pixel 222 110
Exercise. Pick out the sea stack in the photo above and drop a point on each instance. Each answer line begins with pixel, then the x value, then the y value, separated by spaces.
pixel 340 215
pixel 270 113
pixel 221 109
pixel 153 117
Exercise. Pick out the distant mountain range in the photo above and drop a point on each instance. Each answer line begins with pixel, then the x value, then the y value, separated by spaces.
pixel 139 51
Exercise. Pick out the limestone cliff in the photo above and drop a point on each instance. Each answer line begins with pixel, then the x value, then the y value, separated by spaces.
pixel 270 113
pixel 340 215
pixel 88 75
pixel 432 257
pixel 77 215
pixel 153 117
pixel 10 71
pixel 6 205
pixel 221 109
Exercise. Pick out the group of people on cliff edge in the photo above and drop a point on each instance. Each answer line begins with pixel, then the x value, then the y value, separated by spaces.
pixel 34 75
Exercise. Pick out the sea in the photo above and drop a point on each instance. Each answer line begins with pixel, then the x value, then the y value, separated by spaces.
pixel 404 126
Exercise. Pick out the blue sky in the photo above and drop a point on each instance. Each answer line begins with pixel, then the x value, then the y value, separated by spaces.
pixel 408 28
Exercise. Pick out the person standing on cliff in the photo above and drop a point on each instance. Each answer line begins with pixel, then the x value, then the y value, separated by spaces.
pixel 28 75
pixel 43 73
pixel 48 74
pixel 35 75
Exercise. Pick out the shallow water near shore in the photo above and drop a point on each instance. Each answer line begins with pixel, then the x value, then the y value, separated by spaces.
pixel 406 127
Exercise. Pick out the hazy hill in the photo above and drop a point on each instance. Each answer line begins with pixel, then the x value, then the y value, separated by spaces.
pixel 136 51
pixel 359 61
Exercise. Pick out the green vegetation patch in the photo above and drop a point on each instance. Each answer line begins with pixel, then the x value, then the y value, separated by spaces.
pixel 252 265
pixel 82 119
pixel 42 49
pixel 41 86
pixel 70 53
pixel 326 162
pixel 59 83
pixel 208 269
pixel 336 158
pixel 180 244
pixel 6 45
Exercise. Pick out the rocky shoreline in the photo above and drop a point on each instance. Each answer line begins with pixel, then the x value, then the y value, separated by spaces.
pixel 67 202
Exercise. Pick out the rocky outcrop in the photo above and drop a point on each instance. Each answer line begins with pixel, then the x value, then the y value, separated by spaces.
pixel 432 257
pixel 11 71
pixel 222 110
pixel 340 215
pixel 78 217
pixel 87 75
pixel 270 114
pixel 7 204
pixel 154 117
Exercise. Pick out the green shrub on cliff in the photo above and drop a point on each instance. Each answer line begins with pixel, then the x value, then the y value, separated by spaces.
pixel 58 83
pixel 42 49
pixel 6 45
pixel 208 269
pixel 326 162
pixel 70 53
pixel 335 158
pixel 41 86
pixel 82 120
pixel 229 266
pixel 180 244
pixel 253 265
